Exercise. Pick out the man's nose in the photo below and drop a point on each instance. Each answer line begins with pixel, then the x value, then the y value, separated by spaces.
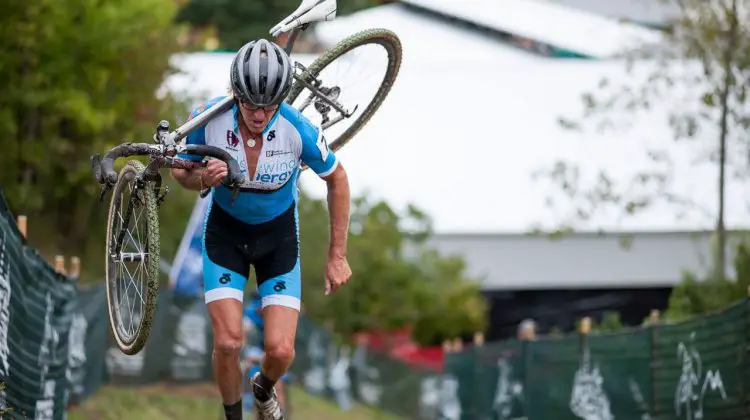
pixel 259 114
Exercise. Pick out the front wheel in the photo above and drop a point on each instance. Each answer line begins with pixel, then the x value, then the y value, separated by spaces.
pixel 334 75
pixel 132 258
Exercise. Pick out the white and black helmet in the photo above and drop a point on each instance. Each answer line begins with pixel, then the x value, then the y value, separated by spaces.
pixel 261 73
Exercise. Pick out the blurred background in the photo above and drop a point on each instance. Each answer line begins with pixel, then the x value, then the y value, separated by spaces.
pixel 550 204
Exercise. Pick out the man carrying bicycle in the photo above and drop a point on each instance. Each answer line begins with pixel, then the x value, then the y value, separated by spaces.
pixel 269 139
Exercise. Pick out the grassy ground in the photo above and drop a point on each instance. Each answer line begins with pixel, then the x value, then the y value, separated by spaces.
pixel 198 402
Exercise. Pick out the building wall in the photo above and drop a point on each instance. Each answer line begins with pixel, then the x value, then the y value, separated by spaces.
pixel 579 261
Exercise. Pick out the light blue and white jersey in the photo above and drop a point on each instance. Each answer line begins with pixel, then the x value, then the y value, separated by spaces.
pixel 289 139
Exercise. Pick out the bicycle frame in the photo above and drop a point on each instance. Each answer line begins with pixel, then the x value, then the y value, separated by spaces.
pixel 162 154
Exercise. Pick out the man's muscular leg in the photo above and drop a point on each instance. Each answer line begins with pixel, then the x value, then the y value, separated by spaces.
pixel 226 320
pixel 279 334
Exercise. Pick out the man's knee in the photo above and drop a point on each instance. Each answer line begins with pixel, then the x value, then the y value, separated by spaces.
pixel 281 352
pixel 228 345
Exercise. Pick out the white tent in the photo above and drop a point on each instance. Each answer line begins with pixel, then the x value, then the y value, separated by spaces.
pixel 469 121
pixel 555 24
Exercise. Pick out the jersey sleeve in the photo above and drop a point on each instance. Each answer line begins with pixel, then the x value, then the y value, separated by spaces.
pixel 199 135
pixel 315 151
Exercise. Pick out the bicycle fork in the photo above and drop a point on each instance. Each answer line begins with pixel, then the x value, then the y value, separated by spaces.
pixel 117 254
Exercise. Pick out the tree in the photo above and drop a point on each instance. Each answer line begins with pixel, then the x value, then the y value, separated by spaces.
pixel 77 77
pixel 611 322
pixel 238 22
pixel 398 282
pixel 695 296
pixel 706 54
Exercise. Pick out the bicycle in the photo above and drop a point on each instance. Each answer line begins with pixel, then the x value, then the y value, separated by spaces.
pixel 138 187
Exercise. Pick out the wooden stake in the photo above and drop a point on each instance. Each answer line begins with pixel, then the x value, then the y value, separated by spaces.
pixel 22 224
pixel 75 267
pixel 654 316
pixel 585 326
pixel 60 264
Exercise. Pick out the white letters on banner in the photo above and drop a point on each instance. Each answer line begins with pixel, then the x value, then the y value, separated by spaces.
pixel 4 316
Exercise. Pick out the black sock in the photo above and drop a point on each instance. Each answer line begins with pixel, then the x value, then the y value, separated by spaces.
pixel 262 387
pixel 233 411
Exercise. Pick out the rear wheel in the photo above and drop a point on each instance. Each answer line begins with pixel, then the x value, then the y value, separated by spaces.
pixel 132 258
pixel 332 74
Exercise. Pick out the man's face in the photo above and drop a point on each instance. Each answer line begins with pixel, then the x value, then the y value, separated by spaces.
pixel 256 118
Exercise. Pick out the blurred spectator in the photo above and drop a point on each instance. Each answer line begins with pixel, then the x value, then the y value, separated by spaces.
pixel 527 330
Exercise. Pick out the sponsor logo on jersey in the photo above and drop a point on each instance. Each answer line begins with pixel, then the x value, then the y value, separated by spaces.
pixel 275 173
pixel 271 135
pixel 232 140
pixel 272 153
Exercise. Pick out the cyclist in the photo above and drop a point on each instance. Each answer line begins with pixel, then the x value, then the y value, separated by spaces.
pixel 252 321
pixel 269 139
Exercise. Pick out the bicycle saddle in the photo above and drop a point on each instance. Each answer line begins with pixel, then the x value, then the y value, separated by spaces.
pixel 308 11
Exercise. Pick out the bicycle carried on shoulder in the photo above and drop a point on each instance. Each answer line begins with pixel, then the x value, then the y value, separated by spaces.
pixel 132 244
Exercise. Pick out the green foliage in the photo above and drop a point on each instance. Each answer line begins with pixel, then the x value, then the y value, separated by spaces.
pixel 238 22
pixel 694 296
pixel 397 281
pixel 76 77
pixel 611 322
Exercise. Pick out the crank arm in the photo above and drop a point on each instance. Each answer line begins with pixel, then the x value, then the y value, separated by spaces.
pixel 338 118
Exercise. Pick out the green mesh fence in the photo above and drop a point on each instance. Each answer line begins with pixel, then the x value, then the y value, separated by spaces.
pixel 699 367
pixel 38 313
pixel 347 374
pixel 550 369
pixel 692 370
pixel 620 363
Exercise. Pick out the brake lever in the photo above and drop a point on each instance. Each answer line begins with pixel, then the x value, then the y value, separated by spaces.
pixel 96 165
pixel 105 189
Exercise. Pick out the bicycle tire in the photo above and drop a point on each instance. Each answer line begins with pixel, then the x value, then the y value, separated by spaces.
pixel 392 44
pixel 133 345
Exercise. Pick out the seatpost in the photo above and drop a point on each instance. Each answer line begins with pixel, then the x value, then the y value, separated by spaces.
pixel 293 37
pixel 290 40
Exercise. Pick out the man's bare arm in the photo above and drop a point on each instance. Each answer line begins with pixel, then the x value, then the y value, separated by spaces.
pixel 338 208
pixel 190 179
